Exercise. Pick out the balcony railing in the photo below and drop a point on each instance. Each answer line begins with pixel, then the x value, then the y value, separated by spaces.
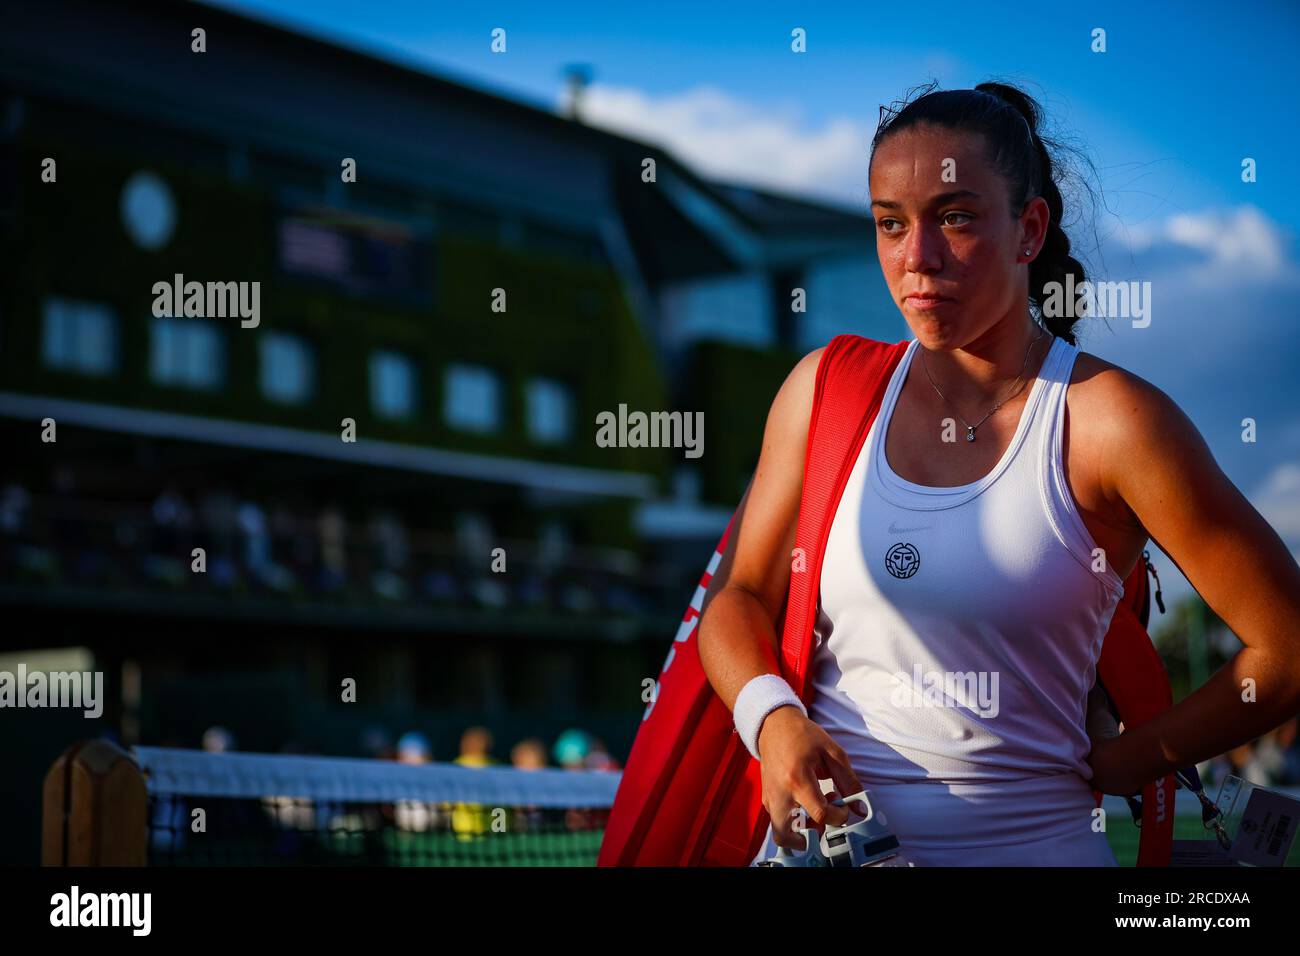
pixel 327 561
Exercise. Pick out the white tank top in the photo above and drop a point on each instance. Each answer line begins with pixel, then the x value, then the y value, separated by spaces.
pixel 959 628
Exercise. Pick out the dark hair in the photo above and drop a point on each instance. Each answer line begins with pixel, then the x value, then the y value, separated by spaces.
pixel 1008 118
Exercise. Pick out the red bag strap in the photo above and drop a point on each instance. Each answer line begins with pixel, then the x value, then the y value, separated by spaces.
pixel 852 377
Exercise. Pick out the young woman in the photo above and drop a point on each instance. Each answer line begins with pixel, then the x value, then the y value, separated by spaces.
pixel 1057 454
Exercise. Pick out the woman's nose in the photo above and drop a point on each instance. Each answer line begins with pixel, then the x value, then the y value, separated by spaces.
pixel 924 250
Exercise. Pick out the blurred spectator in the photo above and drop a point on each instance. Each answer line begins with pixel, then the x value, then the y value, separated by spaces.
pixel 571 752
pixel 413 748
pixel 475 751
pixel 172 518
pixel 1262 762
pixel 553 547
pixel 377 743
pixel 476 748
pixel 15 509
pixel 291 543
pixel 172 528
pixel 218 511
pixel 218 740
pixel 490 591
pixel 331 527
pixel 571 749
pixel 474 537
pixel 440 586
pixel 257 543
pixel 388 537
pixel 577 598
pixel 528 754
pixel 476 540
pixel 258 556
pixel 598 757
pixel 1273 758
pixel 391 551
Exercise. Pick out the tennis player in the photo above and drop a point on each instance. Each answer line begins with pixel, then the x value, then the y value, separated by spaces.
pixel 1004 492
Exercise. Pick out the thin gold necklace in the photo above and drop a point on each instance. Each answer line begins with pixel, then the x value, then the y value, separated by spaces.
pixel 970 429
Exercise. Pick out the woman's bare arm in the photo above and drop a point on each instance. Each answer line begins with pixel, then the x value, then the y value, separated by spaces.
pixel 1159 465
pixel 737 636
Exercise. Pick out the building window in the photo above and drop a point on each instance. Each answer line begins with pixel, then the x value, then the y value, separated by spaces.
pixel 847 294
pixel 472 400
pixel 287 368
pixel 732 308
pixel 189 353
pixel 79 337
pixel 550 411
pixel 392 384
pixel 148 211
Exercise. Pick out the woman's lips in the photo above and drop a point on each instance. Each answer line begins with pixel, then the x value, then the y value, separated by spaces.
pixel 925 303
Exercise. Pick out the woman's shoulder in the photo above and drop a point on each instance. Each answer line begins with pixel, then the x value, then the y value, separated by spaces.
pixel 794 400
pixel 1112 403
pixel 796 393
pixel 1096 380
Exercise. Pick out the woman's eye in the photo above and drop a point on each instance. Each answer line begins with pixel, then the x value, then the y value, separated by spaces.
pixel 960 215
pixel 884 224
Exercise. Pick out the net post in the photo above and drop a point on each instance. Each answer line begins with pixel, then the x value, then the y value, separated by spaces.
pixel 94 808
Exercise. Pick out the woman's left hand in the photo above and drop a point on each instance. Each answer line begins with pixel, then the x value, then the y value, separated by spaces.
pixel 1111 771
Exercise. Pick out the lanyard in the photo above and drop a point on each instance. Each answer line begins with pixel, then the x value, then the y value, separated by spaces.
pixel 1211 815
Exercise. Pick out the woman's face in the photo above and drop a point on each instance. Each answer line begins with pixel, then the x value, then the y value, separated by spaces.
pixel 944 227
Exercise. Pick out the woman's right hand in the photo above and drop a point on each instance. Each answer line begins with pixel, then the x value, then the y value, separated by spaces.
pixel 796 755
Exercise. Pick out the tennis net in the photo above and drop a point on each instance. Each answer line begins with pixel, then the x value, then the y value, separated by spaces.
pixel 262 809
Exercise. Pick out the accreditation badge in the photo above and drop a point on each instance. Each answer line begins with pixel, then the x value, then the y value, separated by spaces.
pixel 1251 825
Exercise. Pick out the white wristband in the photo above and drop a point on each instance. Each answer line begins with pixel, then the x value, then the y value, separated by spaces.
pixel 762 695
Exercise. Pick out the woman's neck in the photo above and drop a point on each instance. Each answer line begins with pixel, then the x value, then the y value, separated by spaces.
pixel 983 369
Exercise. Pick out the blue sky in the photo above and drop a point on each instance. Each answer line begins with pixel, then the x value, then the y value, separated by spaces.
pixel 1183 92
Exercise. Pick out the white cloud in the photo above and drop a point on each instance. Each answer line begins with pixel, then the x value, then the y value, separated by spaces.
pixel 721 136
pixel 1240 242
pixel 725 137
pixel 1224 276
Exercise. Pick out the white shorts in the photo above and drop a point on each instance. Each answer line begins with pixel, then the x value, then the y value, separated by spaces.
pixel 1036 821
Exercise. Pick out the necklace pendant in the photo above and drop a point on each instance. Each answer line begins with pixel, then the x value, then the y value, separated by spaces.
pixel 970 433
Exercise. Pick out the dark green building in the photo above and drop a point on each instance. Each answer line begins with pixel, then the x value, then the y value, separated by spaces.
pixel 457 281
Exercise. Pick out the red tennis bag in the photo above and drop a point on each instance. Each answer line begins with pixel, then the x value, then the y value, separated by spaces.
pixel 691 793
